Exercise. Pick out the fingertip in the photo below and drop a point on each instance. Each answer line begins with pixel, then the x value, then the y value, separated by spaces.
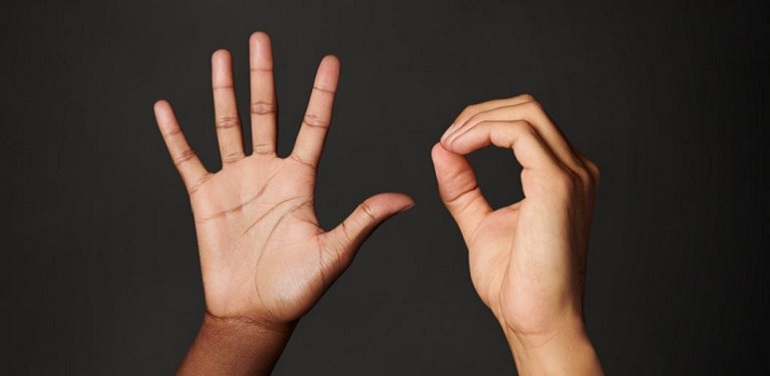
pixel 220 55
pixel 406 208
pixel 436 152
pixel 328 74
pixel 163 111
pixel 452 128
pixel 160 105
pixel 331 60
pixel 447 139
pixel 446 133
pixel 221 69
pixel 441 155
pixel 259 37
pixel 459 142
pixel 390 203
pixel 403 203
pixel 164 115
pixel 397 197
pixel 407 202
pixel 261 53
pixel 329 67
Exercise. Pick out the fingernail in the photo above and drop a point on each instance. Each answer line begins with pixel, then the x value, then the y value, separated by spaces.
pixel 451 136
pixel 406 208
pixel 447 131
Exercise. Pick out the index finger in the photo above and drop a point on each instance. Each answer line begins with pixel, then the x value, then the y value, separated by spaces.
pixel 528 146
pixel 478 108
pixel 315 124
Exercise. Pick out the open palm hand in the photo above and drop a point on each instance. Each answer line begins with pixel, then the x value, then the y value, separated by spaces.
pixel 264 257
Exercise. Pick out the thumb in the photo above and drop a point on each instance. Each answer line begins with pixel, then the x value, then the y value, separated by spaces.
pixel 345 239
pixel 458 189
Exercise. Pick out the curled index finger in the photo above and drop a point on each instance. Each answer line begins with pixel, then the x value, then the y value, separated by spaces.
pixel 528 147
pixel 475 109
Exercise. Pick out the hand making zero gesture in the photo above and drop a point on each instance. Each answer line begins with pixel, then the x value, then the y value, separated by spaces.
pixel 527 259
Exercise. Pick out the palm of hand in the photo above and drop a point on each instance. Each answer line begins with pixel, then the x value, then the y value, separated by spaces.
pixel 518 255
pixel 255 220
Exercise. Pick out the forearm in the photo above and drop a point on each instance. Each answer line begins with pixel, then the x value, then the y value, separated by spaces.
pixel 568 352
pixel 233 347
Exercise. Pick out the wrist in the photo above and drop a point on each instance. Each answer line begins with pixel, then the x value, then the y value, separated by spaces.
pixel 248 326
pixel 566 349
pixel 236 345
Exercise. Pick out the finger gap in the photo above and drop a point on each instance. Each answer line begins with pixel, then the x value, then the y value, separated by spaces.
pixel 498 175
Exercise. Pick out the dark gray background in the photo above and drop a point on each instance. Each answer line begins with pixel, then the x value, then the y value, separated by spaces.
pixel 669 98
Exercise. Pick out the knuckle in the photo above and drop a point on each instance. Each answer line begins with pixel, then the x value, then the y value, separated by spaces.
pixel 470 109
pixel 195 186
pixel 585 177
pixel 458 199
pixel 464 114
pixel 564 183
pixel 527 128
pixel 523 129
pixel 172 134
pixel 316 121
pixel 263 108
pixel 346 234
pixel 302 161
pixel 525 98
pixel 594 169
pixel 185 156
pixel 517 130
pixel 367 210
pixel 227 122
pixel 325 89
pixel 232 157
pixel 263 148
pixel 534 106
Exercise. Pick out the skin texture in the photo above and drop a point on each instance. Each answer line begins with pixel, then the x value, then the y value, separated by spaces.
pixel 527 260
pixel 264 259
